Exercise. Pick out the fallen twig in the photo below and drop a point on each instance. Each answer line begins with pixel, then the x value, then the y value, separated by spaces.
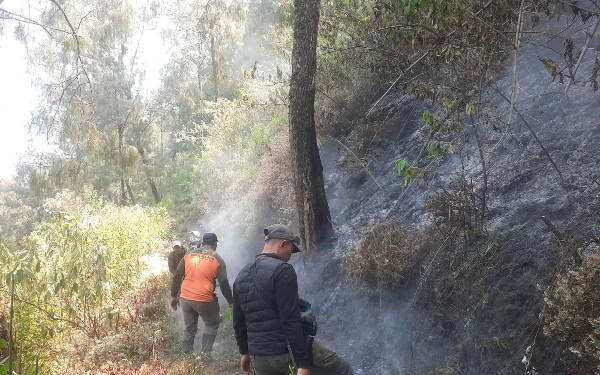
pixel 534 136
pixel 551 226
pixel 588 38
pixel 517 43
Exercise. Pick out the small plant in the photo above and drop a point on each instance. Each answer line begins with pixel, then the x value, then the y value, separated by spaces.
pixel 457 209
pixel 436 149
pixel 430 122
pixel 409 173
pixel 495 235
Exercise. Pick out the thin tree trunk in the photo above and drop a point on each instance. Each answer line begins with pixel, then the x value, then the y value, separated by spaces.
pixel 314 219
pixel 120 130
pixel 155 192
pixel 129 191
pixel 123 195
pixel 146 162
pixel 199 64
pixel 213 55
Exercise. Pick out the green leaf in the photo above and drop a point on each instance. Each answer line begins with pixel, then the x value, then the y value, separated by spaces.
pixel 517 228
pixel 3 344
pixel 400 165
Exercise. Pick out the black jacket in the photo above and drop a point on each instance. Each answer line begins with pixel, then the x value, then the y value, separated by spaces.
pixel 174 258
pixel 265 323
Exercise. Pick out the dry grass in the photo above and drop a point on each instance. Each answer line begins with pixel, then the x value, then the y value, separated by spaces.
pixel 456 210
pixel 385 256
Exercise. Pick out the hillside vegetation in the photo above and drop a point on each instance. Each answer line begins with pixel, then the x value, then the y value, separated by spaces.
pixel 447 129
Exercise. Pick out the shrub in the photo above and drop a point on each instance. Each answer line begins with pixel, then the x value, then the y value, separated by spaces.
pixel 385 256
pixel 71 271
pixel 572 311
pixel 146 332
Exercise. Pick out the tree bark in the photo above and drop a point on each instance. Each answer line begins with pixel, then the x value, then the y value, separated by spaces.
pixel 314 219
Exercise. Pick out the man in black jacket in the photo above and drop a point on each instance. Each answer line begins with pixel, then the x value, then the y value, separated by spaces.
pixel 266 315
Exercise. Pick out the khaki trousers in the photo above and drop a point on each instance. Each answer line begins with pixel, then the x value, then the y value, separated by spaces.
pixel 208 311
pixel 325 362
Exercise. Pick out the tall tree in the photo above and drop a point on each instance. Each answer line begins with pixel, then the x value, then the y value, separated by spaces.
pixel 92 105
pixel 205 34
pixel 314 219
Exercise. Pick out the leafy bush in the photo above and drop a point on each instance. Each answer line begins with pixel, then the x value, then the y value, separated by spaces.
pixel 73 268
pixel 572 311
pixel 385 256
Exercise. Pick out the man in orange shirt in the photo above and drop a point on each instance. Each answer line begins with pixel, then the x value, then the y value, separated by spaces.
pixel 199 270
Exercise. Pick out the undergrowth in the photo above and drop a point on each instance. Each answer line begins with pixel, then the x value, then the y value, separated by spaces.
pixel 572 311
pixel 144 336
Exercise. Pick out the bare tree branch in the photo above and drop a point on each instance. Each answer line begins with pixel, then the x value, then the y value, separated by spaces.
pixel 22 18
pixel 76 40
pixel 409 68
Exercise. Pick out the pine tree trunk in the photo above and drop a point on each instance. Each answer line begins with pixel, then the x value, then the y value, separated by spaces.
pixel 314 219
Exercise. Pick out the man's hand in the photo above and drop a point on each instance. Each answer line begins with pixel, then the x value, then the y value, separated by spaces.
pixel 231 305
pixel 245 364
pixel 174 303
pixel 303 371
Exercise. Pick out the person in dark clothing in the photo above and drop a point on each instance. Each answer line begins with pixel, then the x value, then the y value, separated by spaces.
pixel 199 270
pixel 175 256
pixel 266 315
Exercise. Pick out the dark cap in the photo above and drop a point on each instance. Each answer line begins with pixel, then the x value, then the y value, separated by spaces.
pixel 209 238
pixel 281 232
